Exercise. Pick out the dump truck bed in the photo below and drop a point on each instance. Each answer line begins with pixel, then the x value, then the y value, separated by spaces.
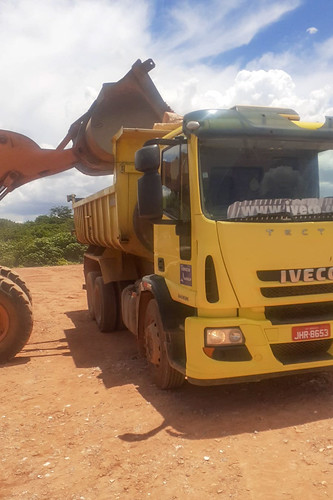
pixel 108 218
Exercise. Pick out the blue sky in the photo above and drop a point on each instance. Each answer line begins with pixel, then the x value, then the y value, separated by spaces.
pixel 211 53
pixel 288 32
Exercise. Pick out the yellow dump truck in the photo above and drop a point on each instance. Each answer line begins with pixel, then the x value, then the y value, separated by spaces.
pixel 213 245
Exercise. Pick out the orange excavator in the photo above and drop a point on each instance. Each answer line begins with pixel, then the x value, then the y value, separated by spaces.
pixel 132 102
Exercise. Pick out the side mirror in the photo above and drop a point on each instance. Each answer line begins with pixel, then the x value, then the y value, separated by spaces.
pixel 150 204
pixel 147 159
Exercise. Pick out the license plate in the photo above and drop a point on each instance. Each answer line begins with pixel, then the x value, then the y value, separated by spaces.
pixel 311 332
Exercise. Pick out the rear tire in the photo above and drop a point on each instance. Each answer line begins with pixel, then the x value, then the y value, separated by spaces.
pixel 15 319
pixel 164 376
pixel 5 272
pixel 120 286
pixel 105 305
pixel 90 283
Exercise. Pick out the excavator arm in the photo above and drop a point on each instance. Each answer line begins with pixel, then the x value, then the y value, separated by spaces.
pixel 22 161
pixel 132 102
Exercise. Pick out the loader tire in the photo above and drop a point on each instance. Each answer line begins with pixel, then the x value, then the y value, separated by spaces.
pixel 5 272
pixel 15 319
pixel 105 305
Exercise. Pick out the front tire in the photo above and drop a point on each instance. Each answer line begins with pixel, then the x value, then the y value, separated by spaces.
pixel 164 376
pixel 15 319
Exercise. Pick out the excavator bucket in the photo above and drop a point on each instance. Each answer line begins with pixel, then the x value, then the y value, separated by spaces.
pixel 132 102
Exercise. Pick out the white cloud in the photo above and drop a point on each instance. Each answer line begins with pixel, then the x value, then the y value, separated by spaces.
pixel 311 73
pixel 312 30
pixel 261 87
pixel 54 53
pixel 276 88
pixel 37 197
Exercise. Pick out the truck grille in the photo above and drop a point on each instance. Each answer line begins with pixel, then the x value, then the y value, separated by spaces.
pixel 292 291
pixel 300 313
pixel 302 352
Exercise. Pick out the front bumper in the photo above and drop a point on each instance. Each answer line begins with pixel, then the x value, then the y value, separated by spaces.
pixel 269 351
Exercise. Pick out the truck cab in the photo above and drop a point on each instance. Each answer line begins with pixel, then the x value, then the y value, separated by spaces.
pixel 242 243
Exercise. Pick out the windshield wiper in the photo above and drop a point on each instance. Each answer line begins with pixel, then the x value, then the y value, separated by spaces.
pixel 283 217
pixel 283 214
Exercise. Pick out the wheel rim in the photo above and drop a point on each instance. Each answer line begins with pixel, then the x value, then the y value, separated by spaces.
pixel 4 322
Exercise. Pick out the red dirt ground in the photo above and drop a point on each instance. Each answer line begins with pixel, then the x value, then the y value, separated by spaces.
pixel 81 420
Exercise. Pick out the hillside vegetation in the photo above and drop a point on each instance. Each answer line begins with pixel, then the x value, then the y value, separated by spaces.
pixel 47 241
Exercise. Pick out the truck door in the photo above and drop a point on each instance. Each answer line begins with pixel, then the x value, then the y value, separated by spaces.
pixel 172 240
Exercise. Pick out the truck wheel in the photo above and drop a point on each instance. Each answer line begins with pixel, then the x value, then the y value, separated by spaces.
pixel 105 305
pixel 120 286
pixel 11 275
pixel 15 319
pixel 164 376
pixel 90 283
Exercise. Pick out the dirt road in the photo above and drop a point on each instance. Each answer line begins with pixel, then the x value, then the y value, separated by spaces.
pixel 80 419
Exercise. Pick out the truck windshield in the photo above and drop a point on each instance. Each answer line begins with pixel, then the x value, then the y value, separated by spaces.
pixel 248 179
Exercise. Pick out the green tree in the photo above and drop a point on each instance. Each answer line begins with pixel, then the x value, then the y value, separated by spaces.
pixel 61 212
pixel 46 241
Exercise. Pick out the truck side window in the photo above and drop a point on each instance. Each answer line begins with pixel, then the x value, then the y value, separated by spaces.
pixel 175 183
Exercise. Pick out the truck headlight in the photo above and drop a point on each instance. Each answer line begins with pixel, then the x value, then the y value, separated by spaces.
pixel 223 336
